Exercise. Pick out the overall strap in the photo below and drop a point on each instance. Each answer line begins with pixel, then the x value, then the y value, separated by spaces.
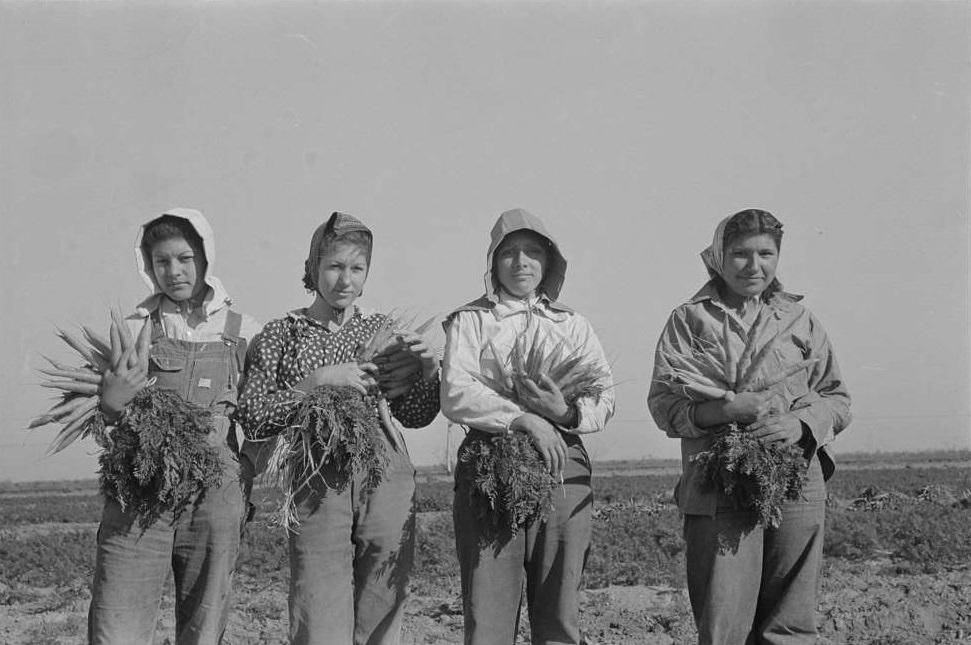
pixel 158 329
pixel 234 322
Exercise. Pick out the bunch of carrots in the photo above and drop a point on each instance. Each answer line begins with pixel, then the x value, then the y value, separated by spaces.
pixel 157 458
pixel 77 408
pixel 340 427
pixel 511 484
pixel 758 475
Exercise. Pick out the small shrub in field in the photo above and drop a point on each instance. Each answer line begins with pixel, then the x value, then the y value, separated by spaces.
pixel 264 552
pixel 47 560
pixel 638 547
pixel 850 484
pixel 923 528
pixel 40 509
pixel 930 537
pixel 624 488
pixel 436 569
pixel 849 535
pixel 434 496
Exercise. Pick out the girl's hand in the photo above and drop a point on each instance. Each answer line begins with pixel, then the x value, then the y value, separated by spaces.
pixel 402 363
pixel 355 375
pixel 121 383
pixel 546 439
pixel 127 373
pixel 777 428
pixel 748 407
pixel 546 399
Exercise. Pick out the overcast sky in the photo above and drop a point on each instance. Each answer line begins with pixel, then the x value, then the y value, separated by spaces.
pixel 631 128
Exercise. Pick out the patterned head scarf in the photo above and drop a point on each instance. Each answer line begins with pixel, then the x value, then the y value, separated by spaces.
pixel 748 221
pixel 714 255
pixel 337 225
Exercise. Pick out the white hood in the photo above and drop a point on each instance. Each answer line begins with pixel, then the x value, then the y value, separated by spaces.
pixel 216 298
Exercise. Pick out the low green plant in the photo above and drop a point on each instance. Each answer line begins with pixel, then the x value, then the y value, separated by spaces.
pixel 159 458
pixel 510 488
pixel 756 474
pixel 336 428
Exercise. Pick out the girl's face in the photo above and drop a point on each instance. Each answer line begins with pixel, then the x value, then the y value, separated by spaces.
pixel 520 262
pixel 341 274
pixel 750 264
pixel 179 268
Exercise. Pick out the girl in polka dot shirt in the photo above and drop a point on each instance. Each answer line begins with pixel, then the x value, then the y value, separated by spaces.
pixel 352 553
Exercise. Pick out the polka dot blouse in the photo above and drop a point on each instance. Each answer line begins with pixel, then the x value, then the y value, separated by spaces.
pixel 290 348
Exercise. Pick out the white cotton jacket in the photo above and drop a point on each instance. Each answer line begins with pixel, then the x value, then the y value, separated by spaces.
pixel 480 336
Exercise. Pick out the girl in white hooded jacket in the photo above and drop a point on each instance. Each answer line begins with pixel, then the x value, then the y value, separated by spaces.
pixel 524 274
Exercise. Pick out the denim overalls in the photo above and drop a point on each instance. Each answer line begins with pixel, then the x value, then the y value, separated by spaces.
pixel 201 546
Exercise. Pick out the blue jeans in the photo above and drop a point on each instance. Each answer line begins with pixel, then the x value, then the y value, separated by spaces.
pixel 549 556
pixel 350 560
pixel 762 589
pixel 200 549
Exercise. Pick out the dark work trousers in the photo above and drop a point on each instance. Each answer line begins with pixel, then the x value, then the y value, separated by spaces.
pixel 351 557
pixel 550 557
pixel 751 585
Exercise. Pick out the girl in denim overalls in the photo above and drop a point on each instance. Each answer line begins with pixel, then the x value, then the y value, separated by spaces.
pixel 197 348
pixel 352 552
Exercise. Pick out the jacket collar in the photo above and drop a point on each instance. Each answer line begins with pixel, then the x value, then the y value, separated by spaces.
pixel 780 300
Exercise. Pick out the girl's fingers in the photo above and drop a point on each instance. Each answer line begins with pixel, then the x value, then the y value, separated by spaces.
pixel 561 458
pixel 396 375
pixel 548 459
pixel 530 387
pixel 393 365
pixel 548 383
pixel 396 391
